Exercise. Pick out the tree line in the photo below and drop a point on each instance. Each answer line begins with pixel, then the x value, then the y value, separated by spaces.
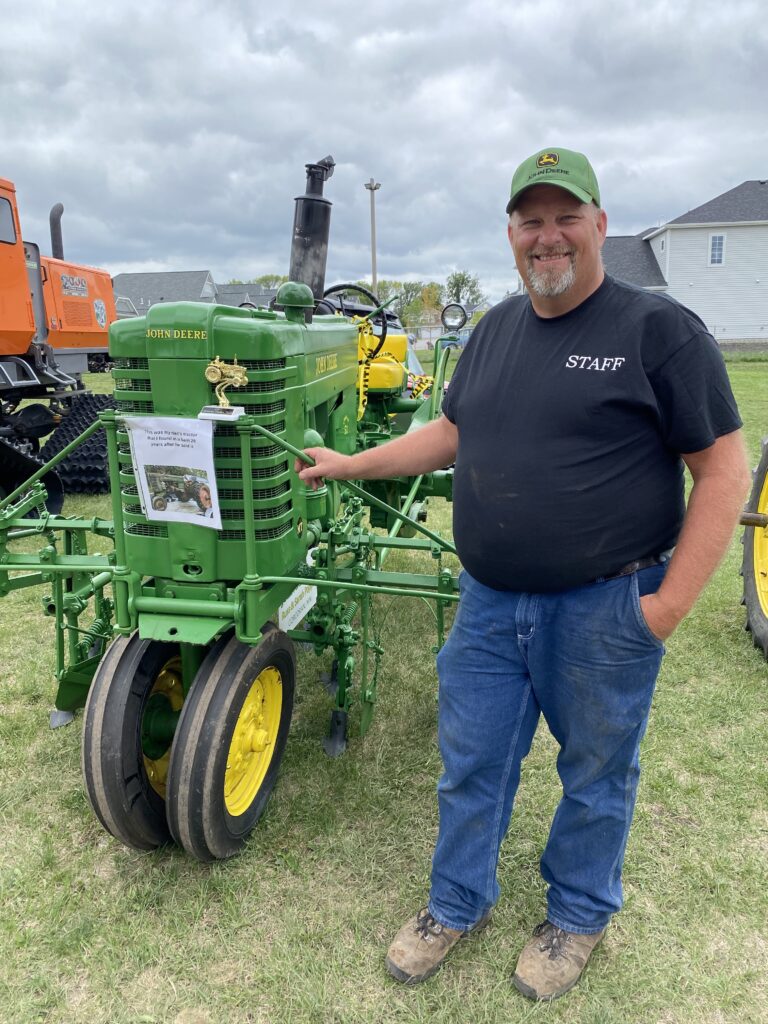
pixel 417 302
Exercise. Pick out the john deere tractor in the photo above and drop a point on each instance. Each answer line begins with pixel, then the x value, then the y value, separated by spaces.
pixel 180 641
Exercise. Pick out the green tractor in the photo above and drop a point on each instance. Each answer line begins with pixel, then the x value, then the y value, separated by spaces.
pixel 179 642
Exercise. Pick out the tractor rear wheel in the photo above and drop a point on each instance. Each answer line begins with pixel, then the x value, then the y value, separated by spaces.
pixel 229 743
pixel 127 733
pixel 755 564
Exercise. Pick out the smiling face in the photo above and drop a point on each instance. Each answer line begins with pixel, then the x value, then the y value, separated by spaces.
pixel 556 240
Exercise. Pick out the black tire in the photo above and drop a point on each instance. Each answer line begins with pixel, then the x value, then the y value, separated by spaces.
pixel 219 784
pixel 126 783
pixel 754 566
pixel 85 470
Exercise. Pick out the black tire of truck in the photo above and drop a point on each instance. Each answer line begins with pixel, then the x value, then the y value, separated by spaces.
pixel 754 567
pixel 85 470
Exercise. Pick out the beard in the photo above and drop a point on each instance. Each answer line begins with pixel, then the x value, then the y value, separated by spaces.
pixel 549 283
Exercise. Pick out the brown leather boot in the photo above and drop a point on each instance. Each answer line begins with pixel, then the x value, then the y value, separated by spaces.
pixel 421 945
pixel 552 962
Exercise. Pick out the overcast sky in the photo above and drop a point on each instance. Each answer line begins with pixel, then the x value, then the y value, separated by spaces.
pixel 176 134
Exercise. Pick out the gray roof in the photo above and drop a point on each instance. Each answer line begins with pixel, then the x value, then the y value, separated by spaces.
pixel 145 290
pixel 235 294
pixel 747 202
pixel 628 258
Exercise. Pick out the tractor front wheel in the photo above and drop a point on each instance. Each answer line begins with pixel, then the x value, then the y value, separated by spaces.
pixel 755 564
pixel 130 715
pixel 229 743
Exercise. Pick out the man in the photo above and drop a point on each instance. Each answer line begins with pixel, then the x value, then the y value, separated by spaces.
pixel 569 418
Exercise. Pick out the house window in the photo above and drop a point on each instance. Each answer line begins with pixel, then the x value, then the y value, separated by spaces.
pixel 716 250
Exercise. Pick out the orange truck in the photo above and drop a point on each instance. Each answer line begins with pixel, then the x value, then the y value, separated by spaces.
pixel 54 323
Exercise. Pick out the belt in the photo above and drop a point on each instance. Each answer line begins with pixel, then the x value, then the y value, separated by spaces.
pixel 639 563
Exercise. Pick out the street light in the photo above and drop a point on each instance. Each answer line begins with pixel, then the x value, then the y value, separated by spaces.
pixel 372 186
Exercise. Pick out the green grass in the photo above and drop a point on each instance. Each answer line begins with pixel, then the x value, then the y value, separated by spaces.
pixel 295 929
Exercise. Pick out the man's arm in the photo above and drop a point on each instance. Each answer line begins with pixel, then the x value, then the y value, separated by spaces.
pixel 430 447
pixel 721 479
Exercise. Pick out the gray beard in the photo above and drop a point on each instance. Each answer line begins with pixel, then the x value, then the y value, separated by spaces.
pixel 550 283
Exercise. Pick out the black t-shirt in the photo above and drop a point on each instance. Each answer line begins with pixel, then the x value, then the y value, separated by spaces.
pixel 570 434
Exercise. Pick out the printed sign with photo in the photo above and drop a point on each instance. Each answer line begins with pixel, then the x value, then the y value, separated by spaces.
pixel 173 464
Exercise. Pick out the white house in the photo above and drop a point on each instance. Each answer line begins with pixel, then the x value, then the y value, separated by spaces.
pixel 713 259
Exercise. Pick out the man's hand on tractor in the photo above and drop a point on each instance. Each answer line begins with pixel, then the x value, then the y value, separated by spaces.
pixel 328 464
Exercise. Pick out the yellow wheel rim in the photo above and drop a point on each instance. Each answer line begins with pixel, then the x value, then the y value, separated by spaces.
pixel 169 685
pixel 760 550
pixel 253 741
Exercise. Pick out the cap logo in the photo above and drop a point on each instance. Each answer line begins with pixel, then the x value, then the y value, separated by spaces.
pixel 548 160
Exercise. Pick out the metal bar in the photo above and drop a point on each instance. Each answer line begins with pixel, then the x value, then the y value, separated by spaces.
pixel 114 475
pixel 437 385
pixel 58 595
pixel 249 597
pixel 64 563
pixel 757 519
pixel 187 606
pixel 312 581
pixel 100 527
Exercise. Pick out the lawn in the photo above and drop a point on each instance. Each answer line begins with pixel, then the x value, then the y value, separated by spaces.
pixel 295 929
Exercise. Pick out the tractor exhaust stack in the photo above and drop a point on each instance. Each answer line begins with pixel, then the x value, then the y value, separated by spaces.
pixel 57 243
pixel 311 228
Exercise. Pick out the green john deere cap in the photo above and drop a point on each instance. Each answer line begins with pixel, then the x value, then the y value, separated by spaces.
pixel 561 167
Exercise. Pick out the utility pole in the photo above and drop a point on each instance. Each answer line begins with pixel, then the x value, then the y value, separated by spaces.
pixel 372 186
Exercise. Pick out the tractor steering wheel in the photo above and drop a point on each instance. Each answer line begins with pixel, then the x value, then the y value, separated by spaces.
pixel 377 317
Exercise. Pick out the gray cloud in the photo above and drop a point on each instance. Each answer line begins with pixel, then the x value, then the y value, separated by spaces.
pixel 176 134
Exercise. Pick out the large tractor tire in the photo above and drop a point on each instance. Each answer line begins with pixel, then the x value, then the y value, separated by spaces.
pixel 755 564
pixel 126 746
pixel 17 466
pixel 85 470
pixel 229 743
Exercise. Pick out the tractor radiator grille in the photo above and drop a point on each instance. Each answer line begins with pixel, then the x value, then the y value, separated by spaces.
pixel 143 384
pixel 229 431
pixel 146 530
pixel 135 510
pixel 125 405
pixel 259 493
pixel 271 534
pixel 258 513
pixel 264 410
pixel 263 386
pixel 257 472
pixel 233 451
pixel 263 364
pixel 131 364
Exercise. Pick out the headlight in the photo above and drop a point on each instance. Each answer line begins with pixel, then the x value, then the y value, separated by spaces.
pixel 453 316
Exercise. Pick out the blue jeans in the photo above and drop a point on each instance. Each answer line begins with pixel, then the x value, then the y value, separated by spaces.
pixel 586 660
